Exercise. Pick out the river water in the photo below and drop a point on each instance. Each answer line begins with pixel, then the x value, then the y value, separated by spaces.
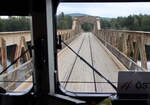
pixel 8 63
pixel 148 64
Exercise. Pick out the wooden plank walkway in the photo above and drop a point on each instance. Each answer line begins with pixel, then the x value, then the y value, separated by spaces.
pixel 76 76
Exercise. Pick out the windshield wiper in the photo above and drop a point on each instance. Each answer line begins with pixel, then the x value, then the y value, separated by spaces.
pixel 90 66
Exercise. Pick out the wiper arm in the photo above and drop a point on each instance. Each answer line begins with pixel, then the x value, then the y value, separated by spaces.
pixel 90 66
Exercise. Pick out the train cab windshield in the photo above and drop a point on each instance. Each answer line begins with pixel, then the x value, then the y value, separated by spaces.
pixel 113 38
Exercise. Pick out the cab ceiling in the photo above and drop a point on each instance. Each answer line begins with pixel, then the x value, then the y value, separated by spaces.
pixel 29 7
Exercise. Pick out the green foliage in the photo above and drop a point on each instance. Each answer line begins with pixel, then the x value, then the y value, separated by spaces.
pixel 64 21
pixel 14 24
pixel 87 27
pixel 107 101
pixel 1 25
pixel 133 22
pixel 105 24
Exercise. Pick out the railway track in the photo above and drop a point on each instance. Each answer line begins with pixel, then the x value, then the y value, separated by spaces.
pixel 79 77
pixel 70 71
pixel 89 46
pixel 92 64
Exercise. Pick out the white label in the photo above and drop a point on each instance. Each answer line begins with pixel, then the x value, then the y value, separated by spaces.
pixel 134 82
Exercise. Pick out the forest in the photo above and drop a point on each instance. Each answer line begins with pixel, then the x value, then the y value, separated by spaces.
pixel 133 22
pixel 20 23
pixel 64 21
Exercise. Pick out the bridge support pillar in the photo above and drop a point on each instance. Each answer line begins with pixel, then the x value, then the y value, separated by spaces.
pixel 123 44
pixel 4 58
pixel 136 52
pixel 113 39
pixel 143 53
pixel 140 49
pixel 130 46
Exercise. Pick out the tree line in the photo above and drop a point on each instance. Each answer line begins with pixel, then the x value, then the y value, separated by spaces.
pixel 14 24
pixel 87 27
pixel 132 22
pixel 64 21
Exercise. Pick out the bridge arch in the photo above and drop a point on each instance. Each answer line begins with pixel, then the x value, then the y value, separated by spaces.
pixel 79 20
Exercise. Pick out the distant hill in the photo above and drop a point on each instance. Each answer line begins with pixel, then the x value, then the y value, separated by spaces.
pixel 73 15
pixel 105 18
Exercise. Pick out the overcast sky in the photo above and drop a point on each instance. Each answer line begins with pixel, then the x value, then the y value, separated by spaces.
pixel 105 9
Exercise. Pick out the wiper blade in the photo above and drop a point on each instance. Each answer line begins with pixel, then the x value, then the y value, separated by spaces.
pixel 96 71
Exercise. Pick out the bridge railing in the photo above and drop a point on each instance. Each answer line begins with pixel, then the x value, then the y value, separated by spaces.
pixel 11 79
pixel 66 34
pixel 131 43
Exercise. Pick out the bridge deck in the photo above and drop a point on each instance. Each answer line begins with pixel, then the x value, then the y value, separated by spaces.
pixel 76 76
